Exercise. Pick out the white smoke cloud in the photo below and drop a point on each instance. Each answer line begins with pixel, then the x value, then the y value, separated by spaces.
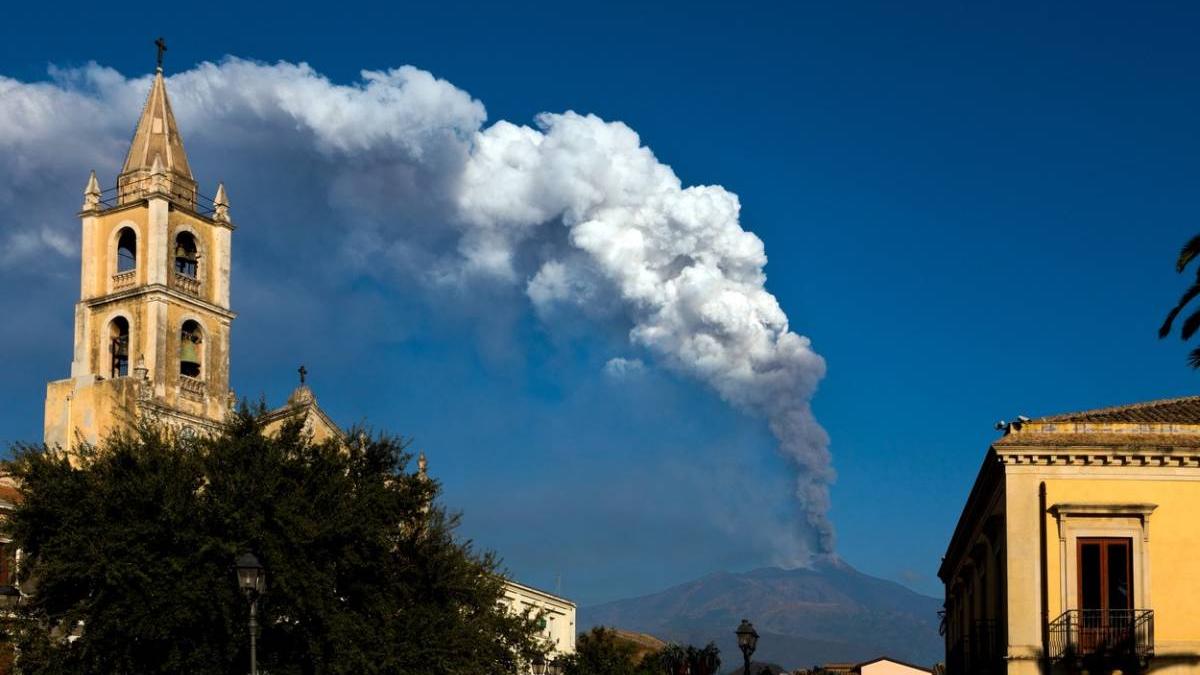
pixel 620 368
pixel 574 211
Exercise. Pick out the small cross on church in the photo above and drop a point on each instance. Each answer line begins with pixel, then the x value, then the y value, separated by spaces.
pixel 162 47
pixel 303 373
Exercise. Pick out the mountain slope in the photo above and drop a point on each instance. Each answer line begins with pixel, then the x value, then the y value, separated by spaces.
pixel 831 612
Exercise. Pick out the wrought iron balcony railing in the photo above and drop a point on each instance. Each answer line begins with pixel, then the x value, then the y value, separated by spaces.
pixel 134 189
pixel 986 648
pixel 1103 634
pixel 980 651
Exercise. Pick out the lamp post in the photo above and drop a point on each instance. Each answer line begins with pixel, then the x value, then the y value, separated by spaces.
pixel 747 639
pixel 251 579
pixel 539 666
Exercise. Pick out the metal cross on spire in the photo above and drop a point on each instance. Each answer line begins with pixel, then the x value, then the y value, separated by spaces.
pixel 303 373
pixel 162 47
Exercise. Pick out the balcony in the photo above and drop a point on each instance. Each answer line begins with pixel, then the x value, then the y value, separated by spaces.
pixel 124 280
pixel 191 387
pixel 980 651
pixel 1103 636
pixel 189 285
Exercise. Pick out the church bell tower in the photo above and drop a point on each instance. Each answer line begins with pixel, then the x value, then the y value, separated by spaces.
pixel 152 323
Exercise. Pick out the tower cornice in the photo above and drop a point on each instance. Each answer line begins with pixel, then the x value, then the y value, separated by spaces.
pixel 160 292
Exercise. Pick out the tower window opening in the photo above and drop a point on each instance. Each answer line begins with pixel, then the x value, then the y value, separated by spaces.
pixel 190 349
pixel 126 250
pixel 118 346
pixel 186 257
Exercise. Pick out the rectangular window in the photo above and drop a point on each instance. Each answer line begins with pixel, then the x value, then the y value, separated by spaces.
pixel 1105 592
pixel 1105 573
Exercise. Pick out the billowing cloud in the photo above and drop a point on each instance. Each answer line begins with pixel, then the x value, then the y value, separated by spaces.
pixel 572 211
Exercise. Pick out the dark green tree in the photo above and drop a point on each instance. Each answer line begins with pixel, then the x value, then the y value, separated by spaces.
pixel 602 651
pixel 703 661
pixel 1189 252
pixel 128 552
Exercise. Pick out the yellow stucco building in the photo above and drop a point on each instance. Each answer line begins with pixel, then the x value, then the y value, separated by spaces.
pixel 1079 545
pixel 153 321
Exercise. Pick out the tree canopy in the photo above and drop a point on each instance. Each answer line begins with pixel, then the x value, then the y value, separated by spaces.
pixel 129 550
pixel 603 651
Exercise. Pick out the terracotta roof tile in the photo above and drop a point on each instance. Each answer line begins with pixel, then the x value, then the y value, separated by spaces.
pixel 1185 410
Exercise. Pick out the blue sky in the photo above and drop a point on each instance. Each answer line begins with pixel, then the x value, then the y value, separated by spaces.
pixel 972 211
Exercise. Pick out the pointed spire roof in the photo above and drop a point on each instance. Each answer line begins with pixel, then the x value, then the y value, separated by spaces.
pixel 93 185
pixel 91 193
pixel 157 136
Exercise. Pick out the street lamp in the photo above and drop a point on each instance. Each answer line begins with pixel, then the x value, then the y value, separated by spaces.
pixel 747 639
pixel 555 668
pixel 539 666
pixel 252 579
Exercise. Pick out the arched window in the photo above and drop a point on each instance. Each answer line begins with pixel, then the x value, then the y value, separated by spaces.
pixel 190 349
pixel 118 346
pixel 126 250
pixel 186 255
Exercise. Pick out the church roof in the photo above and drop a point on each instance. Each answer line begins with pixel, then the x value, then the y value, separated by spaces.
pixel 302 405
pixel 157 136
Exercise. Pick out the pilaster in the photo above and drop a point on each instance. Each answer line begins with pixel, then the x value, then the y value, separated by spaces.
pixel 157 241
pixel 222 266
pixel 87 263
pixel 79 355
pixel 157 344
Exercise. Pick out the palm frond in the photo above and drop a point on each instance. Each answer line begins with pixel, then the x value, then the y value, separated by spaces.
pixel 1190 326
pixel 1194 358
pixel 1188 295
pixel 1186 254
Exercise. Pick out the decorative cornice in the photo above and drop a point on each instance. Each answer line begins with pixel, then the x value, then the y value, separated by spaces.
pixel 545 596
pixel 1077 510
pixel 161 289
pixel 1101 509
pixel 161 409
pixel 1169 456
pixel 984 498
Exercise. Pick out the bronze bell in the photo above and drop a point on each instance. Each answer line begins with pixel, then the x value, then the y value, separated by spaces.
pixel 181 252
pixel 189 353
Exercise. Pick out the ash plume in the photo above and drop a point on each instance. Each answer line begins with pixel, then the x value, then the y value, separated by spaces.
pixel 572 211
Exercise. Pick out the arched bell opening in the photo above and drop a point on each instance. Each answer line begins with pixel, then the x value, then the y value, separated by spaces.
pixel 187 256
pixel 126 250
pixel 190 349
pixel 118 346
